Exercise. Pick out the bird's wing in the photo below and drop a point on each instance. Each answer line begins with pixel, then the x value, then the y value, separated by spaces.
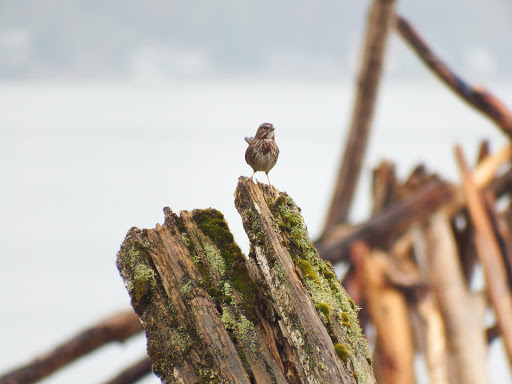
pixel 249 139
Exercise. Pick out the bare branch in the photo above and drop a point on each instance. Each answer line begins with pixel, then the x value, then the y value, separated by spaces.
pixel 477 97
pixel 118 327
pixel 379 23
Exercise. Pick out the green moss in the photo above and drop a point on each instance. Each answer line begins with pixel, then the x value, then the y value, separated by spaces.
pixel 345 319
pixel 209 376
pixel 243 329
pixel 289 222
pixel 212 223
pixel 185 239
pixel 323 286
pixel 186 288
pixel 342 352
pixel 227 319
pixel 281 225
pixel 329 274
pixel 214 259
pixel 144 279
pixel 328 271
pixel 215 293
pixel 322 282
pixel 326 310
pixel 180 338
pixel 245 286
pixel 308 271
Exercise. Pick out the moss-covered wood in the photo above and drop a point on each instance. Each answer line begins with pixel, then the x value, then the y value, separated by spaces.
pixel 212 315
pixel 316 316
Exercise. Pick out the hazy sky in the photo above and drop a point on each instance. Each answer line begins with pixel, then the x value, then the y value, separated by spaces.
pixel 159 38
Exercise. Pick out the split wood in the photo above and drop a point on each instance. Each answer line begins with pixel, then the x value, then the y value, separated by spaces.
pixel 211 314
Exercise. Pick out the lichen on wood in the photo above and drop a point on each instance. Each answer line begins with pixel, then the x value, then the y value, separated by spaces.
pixel 303 287
pixel 213 315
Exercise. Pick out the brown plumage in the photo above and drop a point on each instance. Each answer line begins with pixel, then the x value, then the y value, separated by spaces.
pixel 262 152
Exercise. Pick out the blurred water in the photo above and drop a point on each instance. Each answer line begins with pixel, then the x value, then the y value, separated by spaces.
pixel 82 163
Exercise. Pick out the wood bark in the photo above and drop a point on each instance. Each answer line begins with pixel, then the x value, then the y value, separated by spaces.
pixel 211 315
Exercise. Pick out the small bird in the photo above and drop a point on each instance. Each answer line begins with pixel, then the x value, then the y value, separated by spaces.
pixel 262 152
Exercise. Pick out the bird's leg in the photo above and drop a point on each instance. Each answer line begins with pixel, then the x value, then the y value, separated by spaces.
pixel 250 178
pixel 268 178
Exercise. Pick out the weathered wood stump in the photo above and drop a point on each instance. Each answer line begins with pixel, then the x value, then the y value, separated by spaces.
pixel 212 315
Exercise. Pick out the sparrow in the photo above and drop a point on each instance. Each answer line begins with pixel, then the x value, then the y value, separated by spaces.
pixel 262 152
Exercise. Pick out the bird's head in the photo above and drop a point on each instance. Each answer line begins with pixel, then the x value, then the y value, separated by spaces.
pixel 265 131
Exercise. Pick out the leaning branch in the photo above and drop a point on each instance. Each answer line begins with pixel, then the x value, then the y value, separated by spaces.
pixel 133 373
pixel 477 97
pixel 118 327
pixel 379 23
pixel 389 222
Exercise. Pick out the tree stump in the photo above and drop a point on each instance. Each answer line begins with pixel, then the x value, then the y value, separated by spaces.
pixel 213 315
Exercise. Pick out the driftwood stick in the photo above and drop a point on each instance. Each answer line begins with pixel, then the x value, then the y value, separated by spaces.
pixel 213 315
pixel 502 231
pixel 118 327
pixel 436 345
pixel 436 349
pixel 388 222
pixel 486 170
pixel 477 97
pixel 133 373
pixel 484 150
pixel 489 254
pixel 378 230
pixel 464 328
pixel 394 349
pixel 501 184
pixel 380 19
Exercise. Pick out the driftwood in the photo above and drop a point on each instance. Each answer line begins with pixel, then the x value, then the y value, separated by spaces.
pixel 463 324
pixel 280 315
pixel 394 354
pixel 118 327
pixel 389 222
pixel 380 20
pixel 133 373
pixel 477 97
pixel 490 256
pixel 424 267
pixel 386 224
pixel 387 306
pixel 213 315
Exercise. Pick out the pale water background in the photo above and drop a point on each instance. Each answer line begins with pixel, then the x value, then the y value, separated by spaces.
pixel 81 163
